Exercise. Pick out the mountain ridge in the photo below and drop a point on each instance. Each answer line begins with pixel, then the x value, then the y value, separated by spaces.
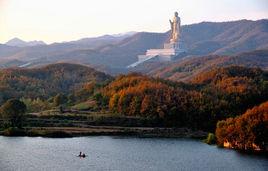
pixel 218 38
pixel 21 43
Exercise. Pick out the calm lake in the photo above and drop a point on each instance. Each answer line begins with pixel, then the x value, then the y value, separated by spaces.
pixel 121 153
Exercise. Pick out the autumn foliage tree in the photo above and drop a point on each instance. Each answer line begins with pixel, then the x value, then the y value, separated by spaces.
pixel 211 96
pixel 248 131
pixel 228 92
pixel 138 95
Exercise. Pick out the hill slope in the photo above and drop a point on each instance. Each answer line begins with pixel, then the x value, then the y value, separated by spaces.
pixel 46 81
pixel 209 97
pixel 225 37
pixel 184 70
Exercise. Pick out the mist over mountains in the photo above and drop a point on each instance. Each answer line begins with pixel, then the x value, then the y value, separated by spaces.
pixel 119 51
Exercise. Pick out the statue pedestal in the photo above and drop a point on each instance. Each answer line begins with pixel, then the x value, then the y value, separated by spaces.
pixel 170 51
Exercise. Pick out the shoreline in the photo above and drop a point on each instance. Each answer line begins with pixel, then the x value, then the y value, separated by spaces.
pixel 63 132
pixel 138 132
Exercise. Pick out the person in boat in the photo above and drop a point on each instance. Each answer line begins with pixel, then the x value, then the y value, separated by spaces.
pixel 81 155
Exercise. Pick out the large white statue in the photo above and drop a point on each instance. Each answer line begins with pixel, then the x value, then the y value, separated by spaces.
pixel 171 49
pixel 175 28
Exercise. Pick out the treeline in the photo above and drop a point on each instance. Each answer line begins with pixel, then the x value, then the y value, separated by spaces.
pixel 246 132
pixel 210 97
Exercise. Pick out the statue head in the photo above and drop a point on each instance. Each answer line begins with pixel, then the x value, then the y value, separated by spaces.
pixel 176 14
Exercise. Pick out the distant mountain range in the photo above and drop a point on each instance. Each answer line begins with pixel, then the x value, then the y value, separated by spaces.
pixel 118 51
pixel 96 42
pixel 226 37
pixel 20 43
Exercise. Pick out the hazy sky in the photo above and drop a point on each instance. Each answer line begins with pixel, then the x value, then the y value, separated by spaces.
pixel 64 20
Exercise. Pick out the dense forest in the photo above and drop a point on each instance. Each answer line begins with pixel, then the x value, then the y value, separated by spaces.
pixel 206 99
pixel 211 96
pixel 47 81
pixel 246 132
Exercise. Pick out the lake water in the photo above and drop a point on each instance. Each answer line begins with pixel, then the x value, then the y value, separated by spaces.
pixel 121 153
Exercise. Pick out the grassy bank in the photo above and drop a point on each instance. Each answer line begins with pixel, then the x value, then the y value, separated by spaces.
pixel 106 130
pixel 81 123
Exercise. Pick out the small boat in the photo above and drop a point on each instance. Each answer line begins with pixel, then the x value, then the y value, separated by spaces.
pixel 82 155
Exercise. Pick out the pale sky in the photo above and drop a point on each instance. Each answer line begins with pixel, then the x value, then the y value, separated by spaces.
pixel 65 20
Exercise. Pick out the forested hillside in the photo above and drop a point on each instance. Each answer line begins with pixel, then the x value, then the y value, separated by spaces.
pixel 211 96
pixel 46 81
pixel 184 70
pixel 199 104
